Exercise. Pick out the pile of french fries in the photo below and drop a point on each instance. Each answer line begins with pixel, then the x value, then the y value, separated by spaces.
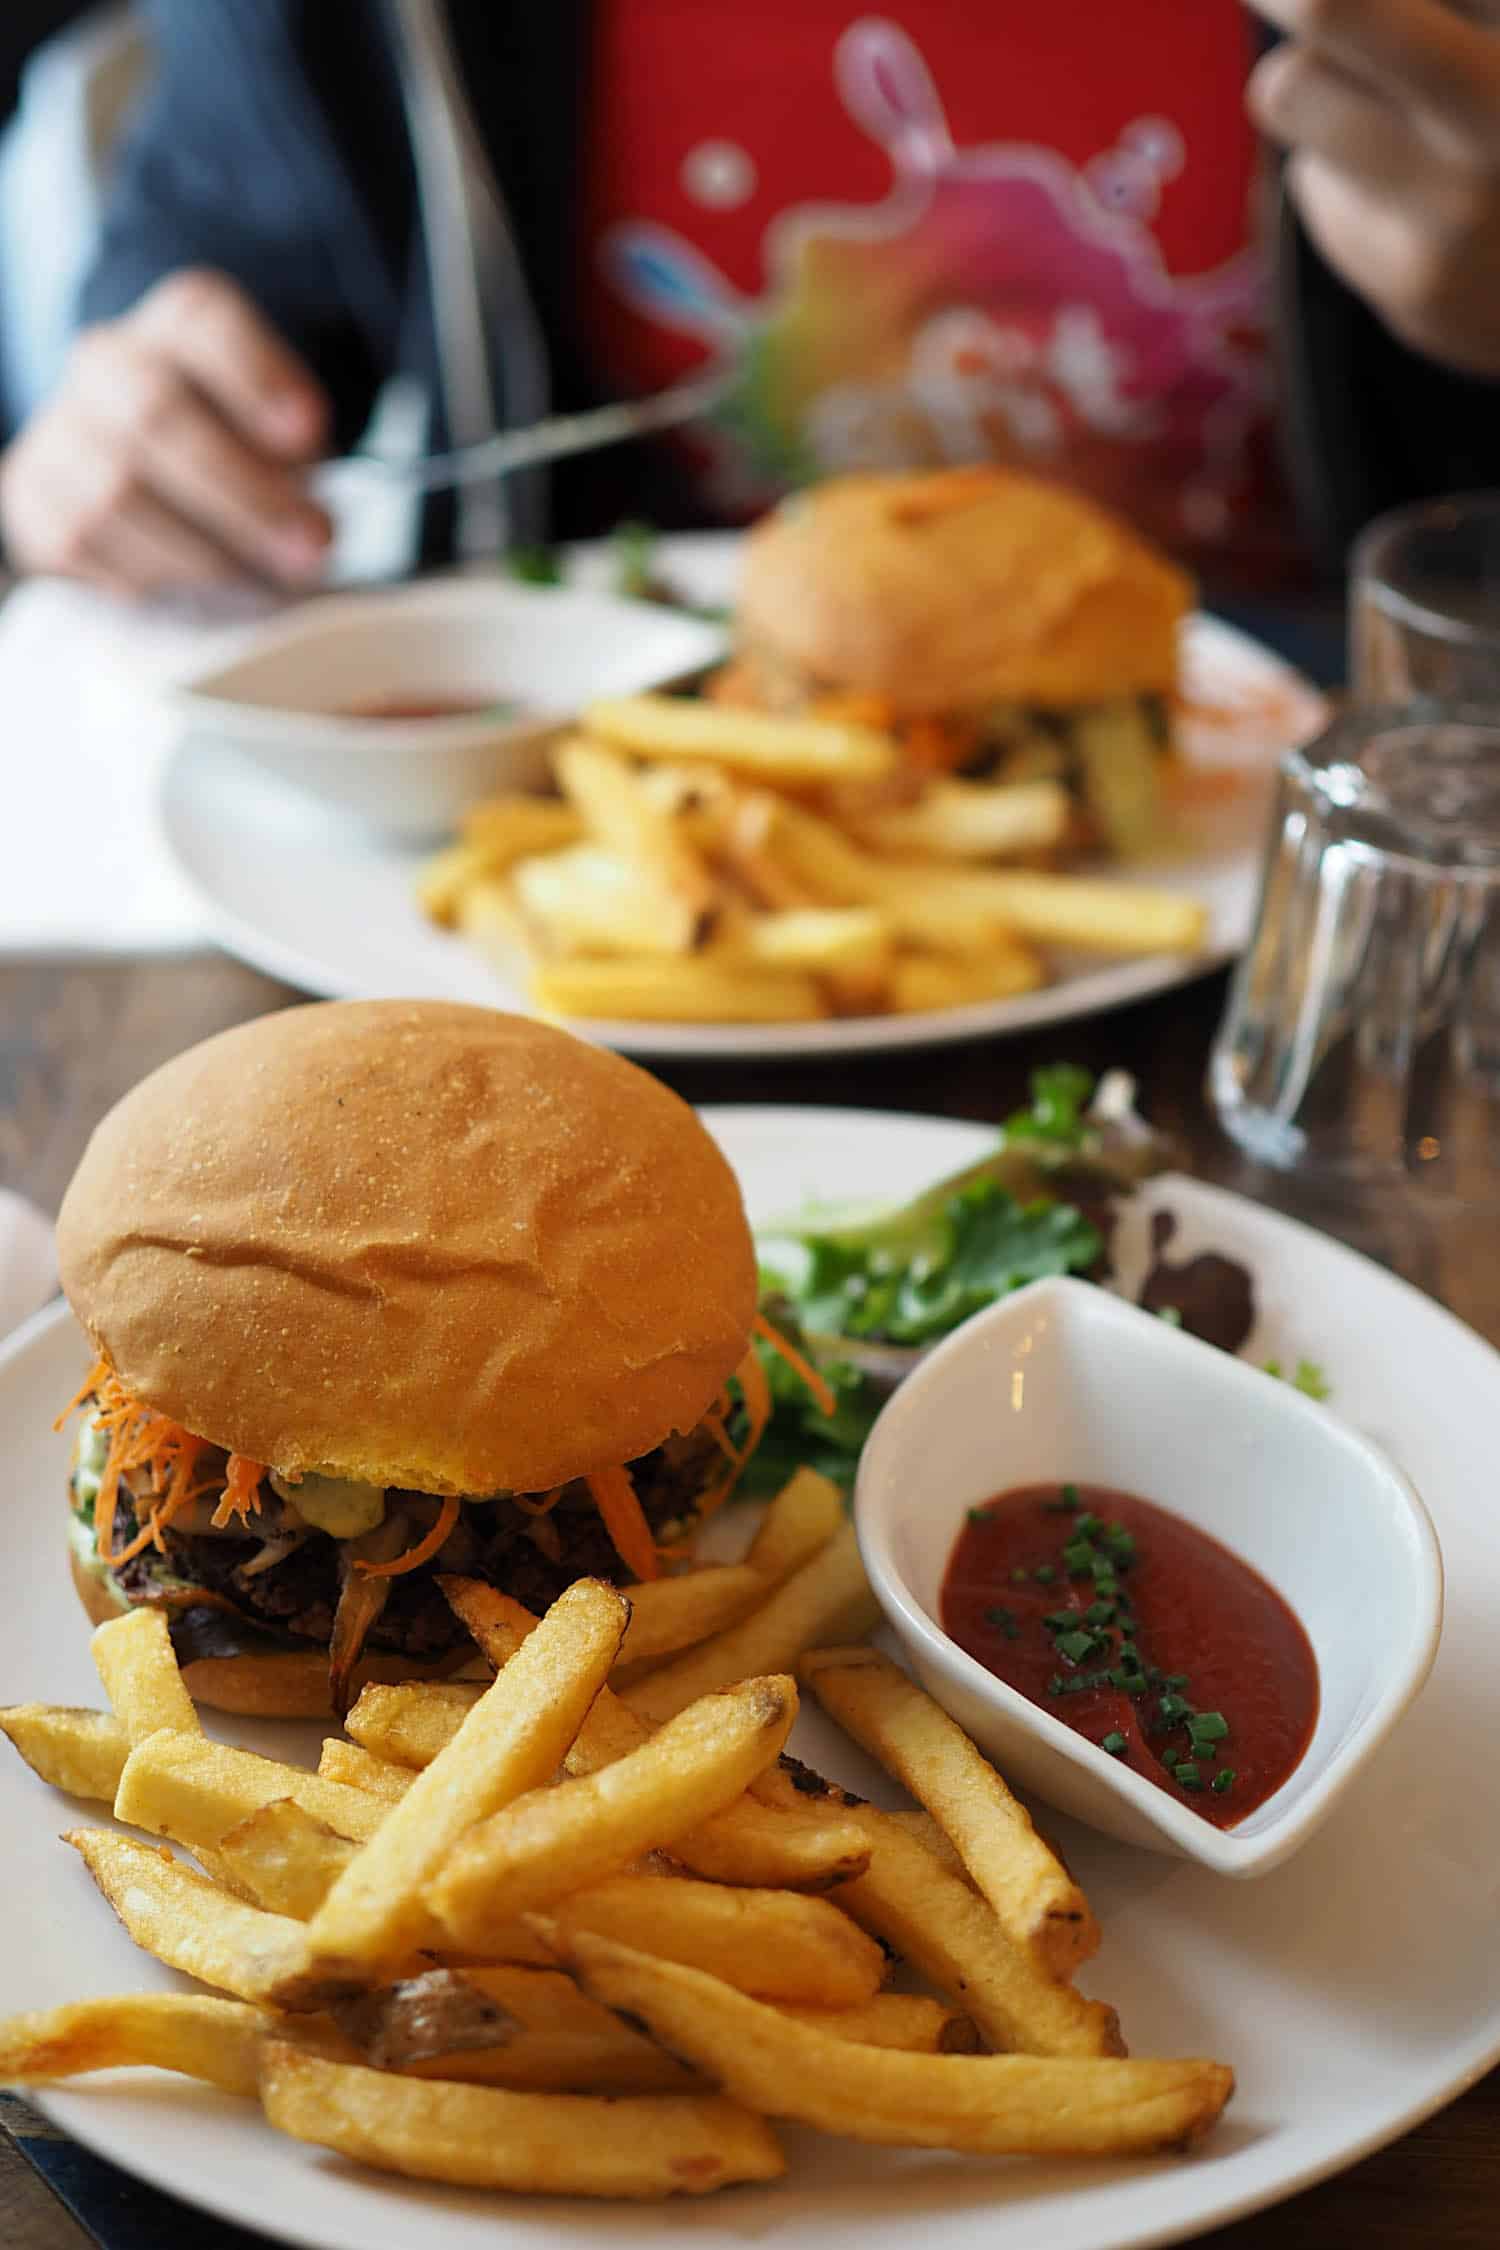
pixel 582 1929
pixel 710 865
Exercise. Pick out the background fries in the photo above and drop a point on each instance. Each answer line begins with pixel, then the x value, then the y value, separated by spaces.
pixel 707 864
pixel 214 2040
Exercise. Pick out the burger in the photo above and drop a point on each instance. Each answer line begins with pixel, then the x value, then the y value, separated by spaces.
pixel 1001 626
pixel 380 1290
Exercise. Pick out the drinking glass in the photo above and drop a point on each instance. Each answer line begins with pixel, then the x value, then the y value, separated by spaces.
pixel 1424 604
pixel 1361 1040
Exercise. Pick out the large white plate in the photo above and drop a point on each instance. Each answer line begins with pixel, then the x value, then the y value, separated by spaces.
pixel 1354 1990
pixel 311 900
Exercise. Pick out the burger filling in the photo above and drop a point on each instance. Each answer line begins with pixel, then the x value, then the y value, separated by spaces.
pixel 245 1559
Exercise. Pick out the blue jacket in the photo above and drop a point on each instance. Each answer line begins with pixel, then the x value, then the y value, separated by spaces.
pixel 273 147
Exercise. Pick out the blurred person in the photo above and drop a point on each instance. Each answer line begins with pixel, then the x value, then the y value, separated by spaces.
pixel 927 234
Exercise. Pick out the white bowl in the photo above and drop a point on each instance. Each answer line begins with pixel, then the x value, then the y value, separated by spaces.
pixel 537 653
pixel 1062 1382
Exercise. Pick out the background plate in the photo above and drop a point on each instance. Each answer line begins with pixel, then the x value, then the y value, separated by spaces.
pixel 310 899
pixel 1354 1990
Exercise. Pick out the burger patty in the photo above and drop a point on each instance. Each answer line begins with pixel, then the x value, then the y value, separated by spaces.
pixel 534 1559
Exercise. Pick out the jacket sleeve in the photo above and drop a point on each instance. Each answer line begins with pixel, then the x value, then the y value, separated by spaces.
pixel 241 160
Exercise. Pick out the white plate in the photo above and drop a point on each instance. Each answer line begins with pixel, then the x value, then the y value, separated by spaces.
pixel 315 902
pixel 1354 1990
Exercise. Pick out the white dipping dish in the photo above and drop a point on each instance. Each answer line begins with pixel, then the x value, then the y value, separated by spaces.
pixel 1062 1382
pixel 533 653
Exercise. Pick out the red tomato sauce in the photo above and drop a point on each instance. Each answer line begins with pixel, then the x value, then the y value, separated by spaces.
pixel 430 707
pixel 1158 1639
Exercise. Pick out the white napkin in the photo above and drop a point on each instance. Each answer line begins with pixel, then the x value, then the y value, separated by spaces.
pixel 86 730
pixel 28 1264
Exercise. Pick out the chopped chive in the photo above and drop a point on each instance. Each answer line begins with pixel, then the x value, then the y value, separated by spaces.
pixel 1019 1577
pixel 1088 1526
pixel 1170 1709
pixel 1070 1499
pixel 1171 1314
pixel 1055 1684
pixel 1187 1775
pixel 1003 1622
pixel 1116 1745
pixel 1105 1581
pixel 1079 1558
pixel 1044 1574
pixel 1099 1613
pixel 1207 1726
pixel 1061 1620
pixel 1075 1646
pixel 1223 1781
pixel 979 1515
pixel 1174 1679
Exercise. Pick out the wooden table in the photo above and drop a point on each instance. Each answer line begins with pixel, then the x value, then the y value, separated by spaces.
pixel 74 1036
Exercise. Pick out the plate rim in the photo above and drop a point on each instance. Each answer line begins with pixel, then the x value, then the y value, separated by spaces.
pixel 60 2103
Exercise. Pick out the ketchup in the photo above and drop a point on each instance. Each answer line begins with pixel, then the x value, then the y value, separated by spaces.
pixel 425 707
pixel 1142 1633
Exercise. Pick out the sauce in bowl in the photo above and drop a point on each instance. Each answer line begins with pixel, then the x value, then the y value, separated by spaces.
pixel 1142 1633
pixel 425 707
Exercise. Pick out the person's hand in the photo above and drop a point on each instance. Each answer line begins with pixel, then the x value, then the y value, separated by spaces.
pixel 169 456
pixel 1391 109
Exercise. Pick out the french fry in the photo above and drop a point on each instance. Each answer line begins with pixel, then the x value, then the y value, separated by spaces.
pixel 620 815
pixel 552 1841
pixel 133 1657
pixel 671 1614
pixel 214 2040
pixel 920 983
pixel 358 1769
pixel 1090 912
pixel 531 2029
pixel 997 2105
pixel 953 1938
pixel 488 916
pixel 195 1791
pixel 923 904
pixel 969 820
pixel 502 830
pixel 589 902
pixel 913 2020
pixel 536 2144
pixel 82 1752
pixel 279 1857
pixel 446 877
pixel 408 1726
pixel 780 1945
pixel 801 1848
pixel 696 990
pixel 186 1921
pixel 565 2043
pixel 798 1524
pixel 510 1743
pixel 797 751
pixel 855 944
pixel 1039 1905
pixel 828 1595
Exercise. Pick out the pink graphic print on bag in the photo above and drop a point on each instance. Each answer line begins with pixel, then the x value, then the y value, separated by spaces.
pixel 1000 303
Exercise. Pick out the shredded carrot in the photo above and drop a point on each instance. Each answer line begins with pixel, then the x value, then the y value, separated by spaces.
pixel 241 1491
pixel 139 1439
pixel 823 1397
pixel 624 1520
pixel 713 1422
pixel 425 1548
pixel 538 1503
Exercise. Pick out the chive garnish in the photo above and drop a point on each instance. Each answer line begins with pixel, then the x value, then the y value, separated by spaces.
pixel 979 1515
pixel 1088 1526
pixel 1207 1726
pixel 1019 1577
pixel 1115 1744
pixel 1070 1499
pixel 1099 1613
pixel 1044 1574
pixel 1079 1558
pixel 1003 1622
pixel 1075 1646
pixel 1060 1620
pixel 1222 1781
pixel 1188 1776
pixel 1170 1709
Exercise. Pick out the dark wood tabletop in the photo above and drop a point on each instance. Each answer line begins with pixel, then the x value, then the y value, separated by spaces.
pixel 74 1036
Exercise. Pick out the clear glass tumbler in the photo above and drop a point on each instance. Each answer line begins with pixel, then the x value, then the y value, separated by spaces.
pixel 1424 604
pixel 1361 1040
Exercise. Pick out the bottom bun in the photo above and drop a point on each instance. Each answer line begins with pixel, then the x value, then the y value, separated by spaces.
pixel 287 1683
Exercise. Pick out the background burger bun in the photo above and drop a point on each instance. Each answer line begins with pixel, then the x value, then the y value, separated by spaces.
pixel 277 1684
pixel 951 590
pixel 411 1243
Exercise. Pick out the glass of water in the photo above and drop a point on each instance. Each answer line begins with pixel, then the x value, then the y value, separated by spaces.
pixel 1360 1045
pixel 1424 604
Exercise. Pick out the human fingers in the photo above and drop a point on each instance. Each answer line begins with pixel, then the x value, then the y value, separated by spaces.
pixel 71 508
pixel 1305 101
pixel 176 442
pixel 212 331
pixel 1416 50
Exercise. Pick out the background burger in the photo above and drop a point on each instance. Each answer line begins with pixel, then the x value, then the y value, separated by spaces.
pixel 382 1289
pixel 1004 627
